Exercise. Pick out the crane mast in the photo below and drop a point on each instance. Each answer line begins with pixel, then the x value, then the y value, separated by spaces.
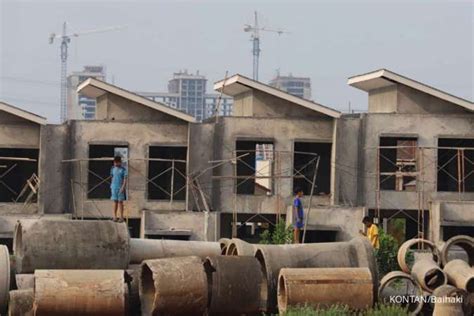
pixel 255 38
pixel 65 39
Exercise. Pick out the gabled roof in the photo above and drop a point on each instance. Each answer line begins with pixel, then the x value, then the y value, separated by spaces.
pixel 383 78
pixel 238 84
pixel 94 88
pixel 22 113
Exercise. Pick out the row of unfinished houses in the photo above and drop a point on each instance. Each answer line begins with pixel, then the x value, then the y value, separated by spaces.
pixel 408 161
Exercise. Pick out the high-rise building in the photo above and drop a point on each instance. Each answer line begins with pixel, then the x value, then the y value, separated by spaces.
pixel 80 107
pixel 298 86
pixel 187 92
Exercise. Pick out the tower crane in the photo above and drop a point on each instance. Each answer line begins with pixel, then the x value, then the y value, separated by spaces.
pixel 65 39
pixel 255 38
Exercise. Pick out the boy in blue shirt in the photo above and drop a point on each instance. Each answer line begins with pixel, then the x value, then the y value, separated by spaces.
pixel 118 175
pixel 298 215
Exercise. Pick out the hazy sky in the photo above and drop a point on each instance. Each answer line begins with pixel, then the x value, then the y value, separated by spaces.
pixel 431 41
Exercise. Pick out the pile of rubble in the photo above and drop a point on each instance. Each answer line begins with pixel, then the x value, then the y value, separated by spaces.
pixel 95 268
pixel 431 275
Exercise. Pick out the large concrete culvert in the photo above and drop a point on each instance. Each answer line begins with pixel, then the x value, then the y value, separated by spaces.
pixel 59 244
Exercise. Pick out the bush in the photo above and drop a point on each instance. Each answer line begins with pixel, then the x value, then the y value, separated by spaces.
pixel 280 235
pixel 386 255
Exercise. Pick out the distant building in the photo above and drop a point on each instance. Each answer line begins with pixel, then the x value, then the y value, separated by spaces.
pixel 298 86
pixel 80 107
pixel 187 93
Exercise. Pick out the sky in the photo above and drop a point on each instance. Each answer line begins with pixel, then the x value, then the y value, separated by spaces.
pixel 328 41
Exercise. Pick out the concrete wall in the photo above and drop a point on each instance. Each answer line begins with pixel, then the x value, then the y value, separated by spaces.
pixel 55 191
pixel 115 108
pixel 428 128
pixel 138 136
pixel 449 213
pixel 346 220
pixel 203 226
pixel 16 132
pixel 283 133
pixel 383 100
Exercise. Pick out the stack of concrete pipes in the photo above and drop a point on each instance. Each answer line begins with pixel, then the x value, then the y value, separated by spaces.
pixel 94 268
pixel 431 273
pixel 312 274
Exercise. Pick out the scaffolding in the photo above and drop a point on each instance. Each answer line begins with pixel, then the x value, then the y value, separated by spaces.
pixel 423 160
pixel 29 189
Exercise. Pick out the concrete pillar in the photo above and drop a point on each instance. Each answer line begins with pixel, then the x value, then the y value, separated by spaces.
pixel 355 253
pixel 173 286
pixel 235 285
pixel 147 249
pixel 75 244
pixel 21 303
pixel 80 292
pixel 323 287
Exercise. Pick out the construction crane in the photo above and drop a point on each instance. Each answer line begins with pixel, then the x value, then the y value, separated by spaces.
pixel 65 38
pixel 255 38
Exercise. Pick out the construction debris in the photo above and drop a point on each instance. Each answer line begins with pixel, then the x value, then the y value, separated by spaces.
pixel 324 287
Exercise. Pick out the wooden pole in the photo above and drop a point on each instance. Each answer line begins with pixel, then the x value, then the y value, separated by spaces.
pixel 310 199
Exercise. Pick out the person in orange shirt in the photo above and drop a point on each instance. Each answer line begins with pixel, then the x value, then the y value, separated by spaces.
pixel 372 231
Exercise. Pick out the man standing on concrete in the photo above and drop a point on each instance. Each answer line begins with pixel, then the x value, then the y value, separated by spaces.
pixel 372 232
pixel 298 215
pixel 117 186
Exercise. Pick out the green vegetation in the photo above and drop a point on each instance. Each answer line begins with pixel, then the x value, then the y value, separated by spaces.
pixel 386 255
pixel 340 310
pixel 280 235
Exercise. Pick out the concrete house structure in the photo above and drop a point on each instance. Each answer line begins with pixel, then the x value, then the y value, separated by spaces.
pixel 408 161
pixel 415 153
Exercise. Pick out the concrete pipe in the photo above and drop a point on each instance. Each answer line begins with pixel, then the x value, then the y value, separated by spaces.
pixel 147 249
pixel 460 274
pixel 224 242
pixel 21 302
pixel 428 274
pixel 25 281
pixel 238 247
pixel 4 277
pixel 449 301
pixel 464 242
pixel 79 292
pixel 132 278
pixel 404 249
pixel 75 244
pixel 234 285
pixel 323 287
pixel 173 286
pixel 351 254
pixel 411 289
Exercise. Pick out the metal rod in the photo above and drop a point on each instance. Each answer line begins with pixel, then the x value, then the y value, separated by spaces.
pixel 310 199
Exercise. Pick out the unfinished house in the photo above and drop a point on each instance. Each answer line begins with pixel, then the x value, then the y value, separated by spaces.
pixel 273 143
pixel 152 140
pixel 410 158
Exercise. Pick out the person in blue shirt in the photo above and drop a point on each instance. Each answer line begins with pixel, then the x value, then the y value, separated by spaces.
pixel 298 215
pixel 118 175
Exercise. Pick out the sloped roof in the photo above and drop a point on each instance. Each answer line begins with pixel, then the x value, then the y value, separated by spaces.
pixel 22 113
pixel 94 88
pixel 238 84
pixel 383 78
